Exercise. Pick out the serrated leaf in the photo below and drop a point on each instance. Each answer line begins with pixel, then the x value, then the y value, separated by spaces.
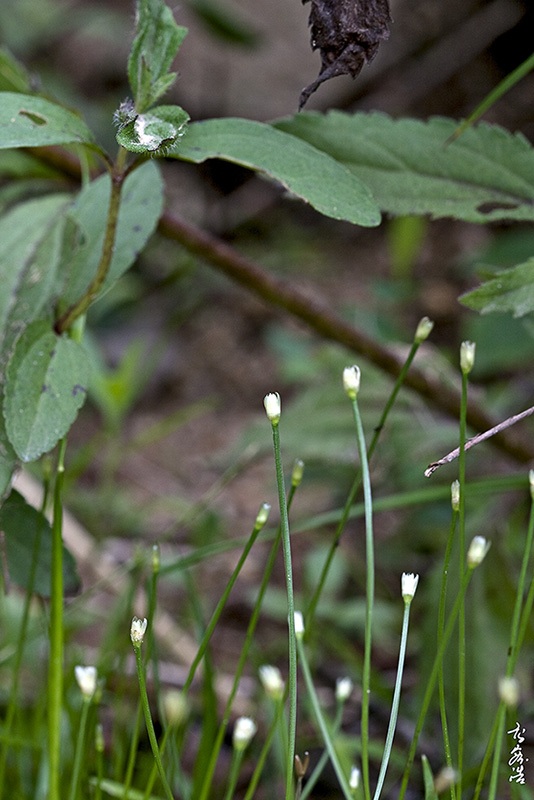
pixel 161 127
pixel 487 174
pixel 31 241
pixel 46 384
pixel 305 171
pixel 22 525
pixel 29 121
pixel 153 50
pixel 510 291
pixel 141 208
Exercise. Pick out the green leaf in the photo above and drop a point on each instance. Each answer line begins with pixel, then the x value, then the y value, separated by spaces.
pixel 28 121
pixel 140 210
pixel 486 175
pixel 22 525
pixel 430 791
pixel 153 50
pixel 30 255
pixel 159 128
pixel 8 461
pixel 511 290
pixel 13 75
pixel 46 384
pixel 305 171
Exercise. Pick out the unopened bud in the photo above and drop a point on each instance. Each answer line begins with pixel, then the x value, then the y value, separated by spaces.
pixel 344 687
pixel 273 407
pixel 263 515
pixel 409 583
pixel 509 691
pixel 467 356
pixel 137 631
pixel 299 625
pixel 244 730
pixel 477 551
pixel 272 681
pixel 351 381
pixel 423 330
pixel 298 472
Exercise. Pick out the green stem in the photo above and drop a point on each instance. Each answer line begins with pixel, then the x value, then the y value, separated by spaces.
pixel 441 624
pixel 325 732
pixel 286 545
pixel 78 756
pixel 396 701
pixel 55 673
pixel 319 767
pixel 148 721
pixel 237 758
pixel 310 611
pixel 461 571
pixel 79 308
pixel 432 679
pixel 370 592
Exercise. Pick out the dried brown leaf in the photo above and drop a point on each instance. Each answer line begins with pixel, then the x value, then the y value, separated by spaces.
pixel 348 34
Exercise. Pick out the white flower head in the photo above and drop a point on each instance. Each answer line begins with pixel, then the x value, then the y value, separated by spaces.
pixel 423 330
pixel 299 624
pixel 467 356
pixel 351 381
pixel 244 730
pixel 272 681
pixel 509 691
pixel 137 630
pixel 409 583
pixel 86 679
pixel 354 780
pixel 273 407
pixel 344 687
pixel 531 482
pixel 477 551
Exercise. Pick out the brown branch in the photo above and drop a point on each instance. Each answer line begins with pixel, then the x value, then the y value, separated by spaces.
pixel 319 318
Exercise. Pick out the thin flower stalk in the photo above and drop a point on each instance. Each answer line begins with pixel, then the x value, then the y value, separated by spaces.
pixel 319 767
pixel 431 683
pixel 441 624
pixel 467 356
pixel 274 418
pixel 370 592
pixel 396 695
pixel 310 611
pixel 323 726
pixel 80 745
pixel 55 673
pixel 137 633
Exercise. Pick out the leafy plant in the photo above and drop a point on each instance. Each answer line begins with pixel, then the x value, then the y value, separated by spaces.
pixel 348 167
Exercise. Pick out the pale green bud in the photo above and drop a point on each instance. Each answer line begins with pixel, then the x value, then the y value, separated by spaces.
pixel 86 679
pixel 299 625
pixel 354 780
pixel 175 707
pixel 298 472
pixel 423 330
pixel 272 681
pixel 344 687
pixel 467 356
pixel 263 515
pixel 477 551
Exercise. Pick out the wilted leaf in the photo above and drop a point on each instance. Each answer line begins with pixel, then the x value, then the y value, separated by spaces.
pixel 348 34
pixel 28 121
pixel 485 175
pixel 305 171
pixel 46 384
pixel 511 290
pixel 22 526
